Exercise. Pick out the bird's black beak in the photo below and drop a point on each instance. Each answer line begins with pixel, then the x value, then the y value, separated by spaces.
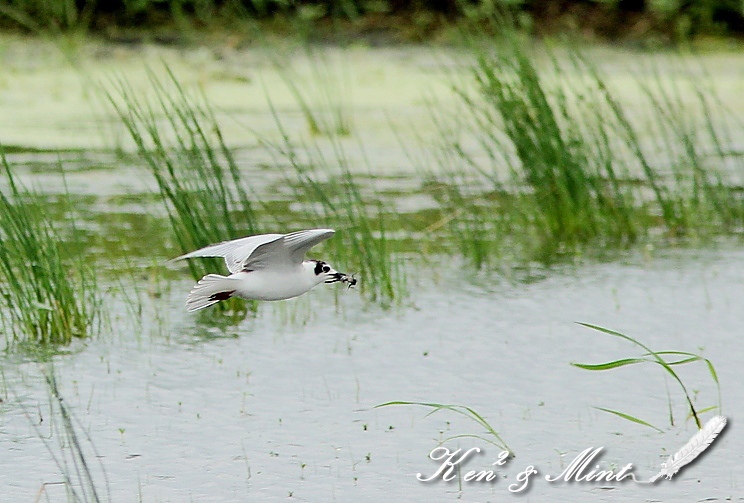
pixel 338 276
pixel 344 278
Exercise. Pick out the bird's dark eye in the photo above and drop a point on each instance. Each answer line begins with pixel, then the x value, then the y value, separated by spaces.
pixel 326 268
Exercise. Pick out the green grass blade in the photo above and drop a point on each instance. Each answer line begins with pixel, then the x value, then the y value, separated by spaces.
pixel 610 365
pixel 658 360
pixel 630 418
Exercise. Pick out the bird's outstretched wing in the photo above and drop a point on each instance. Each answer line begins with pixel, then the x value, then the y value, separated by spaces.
pixel 257 252
pixel 235 252
pixel 289 250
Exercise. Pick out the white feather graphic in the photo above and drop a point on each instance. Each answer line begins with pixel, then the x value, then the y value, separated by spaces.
pixel 692 449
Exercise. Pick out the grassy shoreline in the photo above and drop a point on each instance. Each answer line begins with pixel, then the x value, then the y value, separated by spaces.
pixel 379 22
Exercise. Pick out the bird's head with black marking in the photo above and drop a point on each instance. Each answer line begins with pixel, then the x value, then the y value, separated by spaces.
pixel 324 273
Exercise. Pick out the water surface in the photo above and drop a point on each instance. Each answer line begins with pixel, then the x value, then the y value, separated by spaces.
pixel 171 408
pixel 288 409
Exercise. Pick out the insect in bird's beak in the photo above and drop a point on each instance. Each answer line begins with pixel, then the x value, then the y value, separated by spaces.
pixel 350 280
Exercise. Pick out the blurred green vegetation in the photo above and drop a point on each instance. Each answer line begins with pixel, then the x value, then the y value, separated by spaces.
pixel 674 20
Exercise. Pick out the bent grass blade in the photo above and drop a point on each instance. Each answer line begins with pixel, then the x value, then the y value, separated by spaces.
pixel 464 411
pixel 655 357
pixel 630 418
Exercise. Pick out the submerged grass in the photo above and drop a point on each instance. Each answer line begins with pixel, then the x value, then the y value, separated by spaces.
pixel 494 438
pixel 75 455
pixel 49 296
pixel 660 358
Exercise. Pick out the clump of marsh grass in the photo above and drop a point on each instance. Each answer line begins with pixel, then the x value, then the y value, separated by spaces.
pixel 208 202
pixel 178 138
pixel 323 176
pixel 545 161
pixel 693 128
pixel 48 296
pixel 542 154
pixel 323 179
pixel 667 360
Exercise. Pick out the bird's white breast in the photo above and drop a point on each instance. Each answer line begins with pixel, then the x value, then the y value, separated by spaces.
pixel 272 284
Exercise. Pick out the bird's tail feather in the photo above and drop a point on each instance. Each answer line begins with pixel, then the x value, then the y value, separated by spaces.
pixel 211 289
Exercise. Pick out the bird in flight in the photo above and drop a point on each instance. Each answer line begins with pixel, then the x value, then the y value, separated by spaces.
pixel 264 267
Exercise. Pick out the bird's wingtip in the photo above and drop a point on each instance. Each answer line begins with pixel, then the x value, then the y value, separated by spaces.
pixel 177 259
pixel 326 233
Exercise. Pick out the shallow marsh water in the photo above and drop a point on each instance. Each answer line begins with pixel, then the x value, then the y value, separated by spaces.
pixel 287 410
pixel 282 405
